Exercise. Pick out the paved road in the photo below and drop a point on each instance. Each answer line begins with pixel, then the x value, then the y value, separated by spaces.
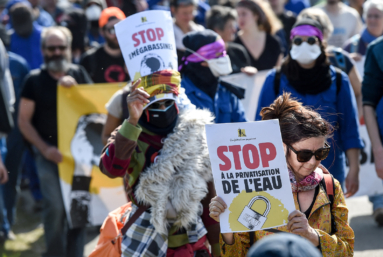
pixel 368 236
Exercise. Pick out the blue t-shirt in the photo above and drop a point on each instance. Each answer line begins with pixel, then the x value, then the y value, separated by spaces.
pixel 28 48
pixel 296 6
pixel 225 106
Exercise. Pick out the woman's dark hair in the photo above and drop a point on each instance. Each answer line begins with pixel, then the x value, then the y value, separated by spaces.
pixel 297 122
pixel 218 16
pixel 290 67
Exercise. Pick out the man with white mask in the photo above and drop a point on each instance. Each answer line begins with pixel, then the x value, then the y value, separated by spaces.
pixel 308 75
pixel 205 60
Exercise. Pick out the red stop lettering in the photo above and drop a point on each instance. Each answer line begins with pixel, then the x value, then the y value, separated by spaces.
pixel 235 149
pixel 150 34
pixel 266 158
pixel 246 156
pixel 223 157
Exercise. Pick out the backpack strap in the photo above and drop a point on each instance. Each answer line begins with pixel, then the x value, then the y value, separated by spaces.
pixel 124 104
pixel 329 186
pixel 338 74
pixel 277 81
pixel 252 234
pixel 132 219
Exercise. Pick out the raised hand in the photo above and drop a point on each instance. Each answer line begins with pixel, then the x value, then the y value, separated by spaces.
pixel 136 100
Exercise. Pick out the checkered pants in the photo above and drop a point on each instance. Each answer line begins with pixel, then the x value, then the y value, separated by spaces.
pixel 142 240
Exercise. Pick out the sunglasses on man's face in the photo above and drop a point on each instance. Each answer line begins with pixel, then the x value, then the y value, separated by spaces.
pixel 310 40
pixel 111 30
pixel 305 155
pixel 53 48
pixel 157 105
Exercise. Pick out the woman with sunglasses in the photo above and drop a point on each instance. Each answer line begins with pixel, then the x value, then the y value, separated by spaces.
pixel 304 135
pixel 308 75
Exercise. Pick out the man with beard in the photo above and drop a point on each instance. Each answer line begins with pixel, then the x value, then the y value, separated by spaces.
pixel 346 21
pixel 105 64
pixel 38 123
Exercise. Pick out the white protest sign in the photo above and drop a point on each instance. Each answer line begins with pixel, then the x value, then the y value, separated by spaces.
pixel 253 85
pixel 360 66
pixel 250 175
pixel 147 43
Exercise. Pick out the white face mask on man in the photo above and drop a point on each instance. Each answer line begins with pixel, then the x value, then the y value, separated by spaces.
pixel 305 53
pixel 219 66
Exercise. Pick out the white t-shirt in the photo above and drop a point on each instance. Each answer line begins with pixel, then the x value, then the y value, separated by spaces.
pixel 114 105
pixel 179 34
pixel 347 23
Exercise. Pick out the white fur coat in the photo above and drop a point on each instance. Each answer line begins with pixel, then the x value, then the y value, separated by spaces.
pixel 180 173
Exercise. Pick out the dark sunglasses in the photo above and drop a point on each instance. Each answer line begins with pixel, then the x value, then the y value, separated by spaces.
pixel 310 40
pixel 157 105
pixel 305 155
pixel 53 48
pixel 111 30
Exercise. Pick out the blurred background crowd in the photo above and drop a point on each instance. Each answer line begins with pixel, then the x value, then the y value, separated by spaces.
pixel 348 28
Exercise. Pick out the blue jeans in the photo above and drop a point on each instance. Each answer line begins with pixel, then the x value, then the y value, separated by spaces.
pixel 4 224
pixel 13 161
pixel 377 201
pixel 60 240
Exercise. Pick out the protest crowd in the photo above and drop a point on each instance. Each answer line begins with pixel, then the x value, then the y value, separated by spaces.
pixel 322 68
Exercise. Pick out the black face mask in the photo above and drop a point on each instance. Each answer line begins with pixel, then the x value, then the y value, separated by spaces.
pixel 162 124
pixel 162 118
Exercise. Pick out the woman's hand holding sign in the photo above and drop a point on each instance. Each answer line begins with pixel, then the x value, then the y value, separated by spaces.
pixel 216 207
pixel 299 225
pixel 136 100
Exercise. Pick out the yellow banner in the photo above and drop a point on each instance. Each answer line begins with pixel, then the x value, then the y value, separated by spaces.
pixel 88 194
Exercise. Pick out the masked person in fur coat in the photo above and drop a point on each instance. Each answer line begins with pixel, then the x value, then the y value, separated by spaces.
pixel 162 152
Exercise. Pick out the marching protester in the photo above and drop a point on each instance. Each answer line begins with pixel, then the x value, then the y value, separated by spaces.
pixel 93 9
pixel 183 13
pixel 222 20
pixel 7 95
pixel 105 64
pixel 346 21
pixel 38 124
pixel 170 146
pixel 205 60
pixel 336 55
pixel 286 17
pixel 25 40
pixel 373 114
pixel 305 136
pixel 258 25
pixel 307 74
pixel 373 15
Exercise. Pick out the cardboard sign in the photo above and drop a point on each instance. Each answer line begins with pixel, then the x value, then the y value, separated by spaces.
pixel 147 43
pixel 250 175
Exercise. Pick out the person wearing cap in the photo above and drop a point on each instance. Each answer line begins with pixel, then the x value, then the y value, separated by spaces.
pixel 105 64
pixel 308 75
pixel 205 60
pixel 183 12
pixel 161 151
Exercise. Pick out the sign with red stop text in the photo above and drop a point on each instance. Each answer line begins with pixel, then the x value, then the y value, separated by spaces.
pixel 250 175
pixel 147 43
